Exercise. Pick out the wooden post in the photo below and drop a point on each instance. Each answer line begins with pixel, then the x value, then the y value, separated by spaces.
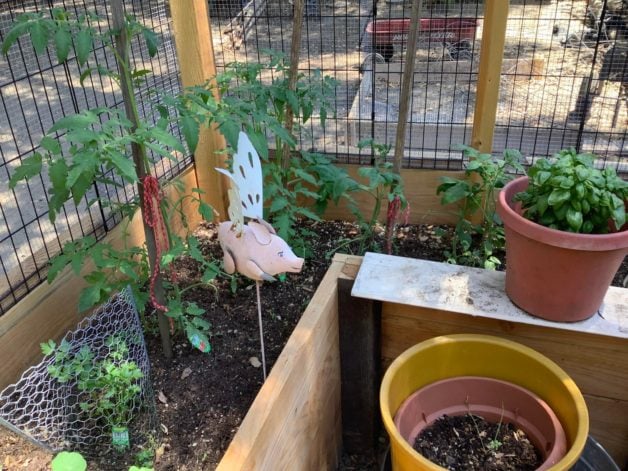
pixel 491 55
pixel 359 323
pixel 195 52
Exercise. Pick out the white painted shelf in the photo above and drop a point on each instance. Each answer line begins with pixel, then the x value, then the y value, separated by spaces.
pixel 471 291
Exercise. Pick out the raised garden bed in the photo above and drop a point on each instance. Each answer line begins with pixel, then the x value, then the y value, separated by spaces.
pixel 306 375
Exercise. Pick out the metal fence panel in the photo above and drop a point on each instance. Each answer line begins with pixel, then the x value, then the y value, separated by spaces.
pixel 35 91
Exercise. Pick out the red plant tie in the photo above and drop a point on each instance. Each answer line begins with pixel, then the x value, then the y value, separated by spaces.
pixel 391 219
pixel 153 218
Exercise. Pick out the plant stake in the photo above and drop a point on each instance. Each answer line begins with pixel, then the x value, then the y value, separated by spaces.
pixel 404 102
pixel 254 249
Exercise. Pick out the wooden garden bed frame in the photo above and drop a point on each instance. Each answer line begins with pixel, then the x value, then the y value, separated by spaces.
pixel 295 420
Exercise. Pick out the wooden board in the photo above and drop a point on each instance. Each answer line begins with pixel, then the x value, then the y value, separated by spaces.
pixel 442 137
pixel 195 53
pixel 49 311
pixel 294 422
pixel 473 292
pixel 461 71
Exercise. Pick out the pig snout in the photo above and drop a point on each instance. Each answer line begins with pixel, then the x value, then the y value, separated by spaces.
pixel 296 264
pixel 285 261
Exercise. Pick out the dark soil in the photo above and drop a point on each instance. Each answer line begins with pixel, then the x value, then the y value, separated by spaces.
pixel 202 398
pixel 471 443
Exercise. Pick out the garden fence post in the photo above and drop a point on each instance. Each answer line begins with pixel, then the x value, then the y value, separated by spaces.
pixel 491 55
pixel 195 52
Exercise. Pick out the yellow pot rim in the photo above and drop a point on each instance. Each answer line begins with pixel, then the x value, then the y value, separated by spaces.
pixel 581 411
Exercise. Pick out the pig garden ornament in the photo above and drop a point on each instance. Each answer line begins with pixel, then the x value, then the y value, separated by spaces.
pixel 254 250
pixel 257 252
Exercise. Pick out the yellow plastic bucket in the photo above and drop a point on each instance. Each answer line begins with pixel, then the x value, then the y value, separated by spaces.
pixel 480 355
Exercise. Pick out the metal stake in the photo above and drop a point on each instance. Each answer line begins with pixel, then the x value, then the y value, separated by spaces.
pixel 261 329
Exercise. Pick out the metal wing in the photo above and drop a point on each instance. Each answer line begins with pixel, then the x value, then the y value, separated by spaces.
pixel 246 192
pixel 247 174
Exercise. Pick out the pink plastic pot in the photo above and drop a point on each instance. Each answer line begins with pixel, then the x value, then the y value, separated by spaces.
pixel 491 399
pixel 556 275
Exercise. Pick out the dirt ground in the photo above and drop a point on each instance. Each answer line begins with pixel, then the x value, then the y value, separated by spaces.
pixel 202 398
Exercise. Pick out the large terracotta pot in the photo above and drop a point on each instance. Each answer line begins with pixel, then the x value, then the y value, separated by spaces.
pixel 556 275
pixel 454 356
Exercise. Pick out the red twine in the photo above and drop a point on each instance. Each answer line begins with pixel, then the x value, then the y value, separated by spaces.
pixel 391 219
pixel 153 218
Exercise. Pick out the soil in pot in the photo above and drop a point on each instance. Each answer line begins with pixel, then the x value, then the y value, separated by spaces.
pixel 471 443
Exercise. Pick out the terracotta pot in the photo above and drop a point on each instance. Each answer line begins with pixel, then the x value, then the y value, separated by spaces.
pixel 493 400
pixel 556 275
pixel 454 356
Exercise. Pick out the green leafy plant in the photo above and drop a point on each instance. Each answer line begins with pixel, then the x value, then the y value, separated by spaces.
pixel 476 243
pixel 95 147
pixel 256 97
pixel 111 385
pixel 68 461
pixel 382 184
pixel 568 193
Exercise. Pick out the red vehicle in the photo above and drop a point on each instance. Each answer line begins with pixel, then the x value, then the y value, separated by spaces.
pixel 457 34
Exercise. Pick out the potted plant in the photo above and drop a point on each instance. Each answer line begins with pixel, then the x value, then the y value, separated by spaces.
pixel 450 361
pixel 565 236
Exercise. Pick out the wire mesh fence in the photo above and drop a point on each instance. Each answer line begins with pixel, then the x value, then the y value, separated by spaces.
pixel 361 44
pixel 563 84
pixel 35 91
pixel 557 88
pixel 566 82
pixel 59 415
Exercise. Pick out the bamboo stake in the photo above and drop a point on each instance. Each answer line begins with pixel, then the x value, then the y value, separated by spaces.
pixel 261 328
pixel 295 48
pixel 406 85
pixel 407 81
pixel 140 160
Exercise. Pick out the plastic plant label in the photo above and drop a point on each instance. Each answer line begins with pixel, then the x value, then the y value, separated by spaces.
pixel 199 340
pixel 120 437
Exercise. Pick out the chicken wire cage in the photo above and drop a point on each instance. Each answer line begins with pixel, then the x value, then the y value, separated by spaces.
pixel 49 412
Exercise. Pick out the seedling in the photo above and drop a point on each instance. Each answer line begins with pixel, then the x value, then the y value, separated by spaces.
pixel 476 243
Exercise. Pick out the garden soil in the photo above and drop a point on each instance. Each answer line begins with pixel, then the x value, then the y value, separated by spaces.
pixel 202 398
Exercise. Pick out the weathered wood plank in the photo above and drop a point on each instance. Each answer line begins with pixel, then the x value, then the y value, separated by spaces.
pixel 473 292
pixel 359 323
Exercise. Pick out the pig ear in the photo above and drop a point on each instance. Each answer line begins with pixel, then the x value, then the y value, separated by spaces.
pixel 261 232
